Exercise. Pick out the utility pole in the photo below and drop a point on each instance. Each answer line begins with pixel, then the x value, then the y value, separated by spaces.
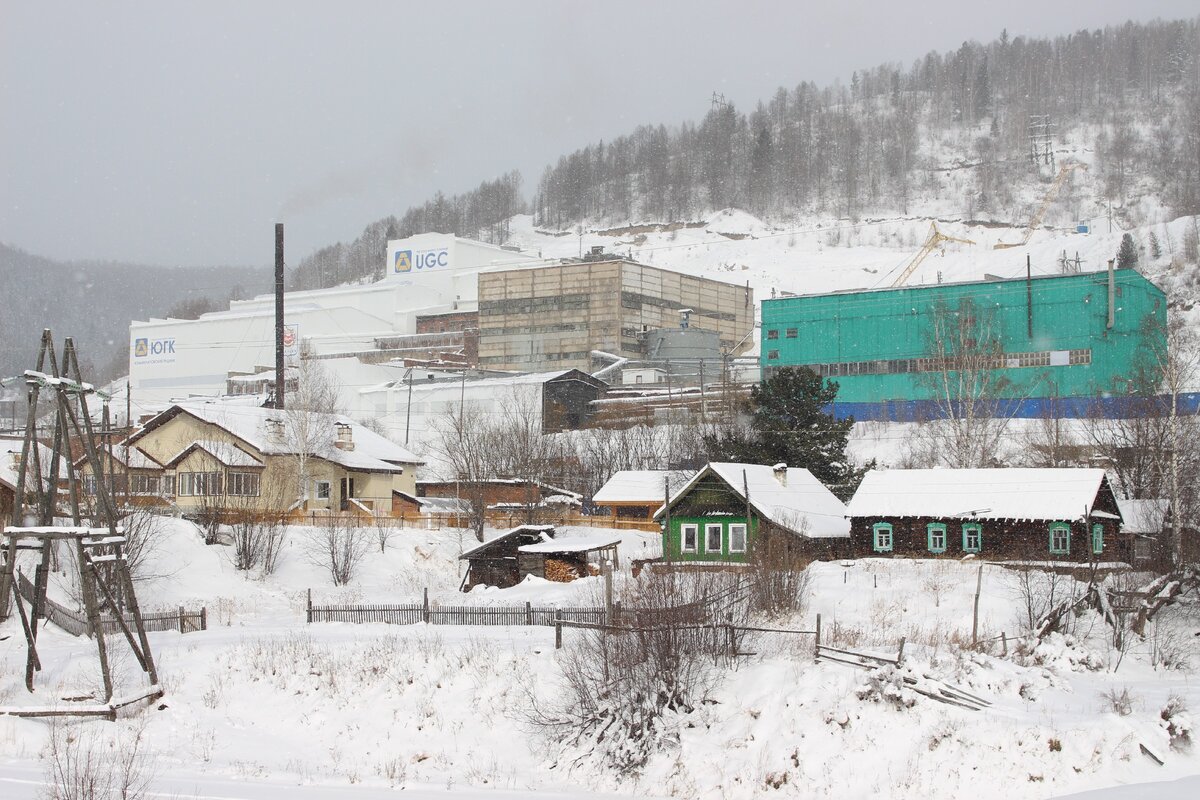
pixel 408 410
pixel 279 366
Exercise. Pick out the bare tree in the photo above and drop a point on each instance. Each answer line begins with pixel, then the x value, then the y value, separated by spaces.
pixel 962 370
pixel 463 442
pixel 781 582
pixel 90 763
pixel 1151 448
pixel 307 419
pixel 338 546
pixel 625 686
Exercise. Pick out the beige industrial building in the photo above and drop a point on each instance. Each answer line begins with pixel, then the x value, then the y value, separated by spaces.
pixel 552 317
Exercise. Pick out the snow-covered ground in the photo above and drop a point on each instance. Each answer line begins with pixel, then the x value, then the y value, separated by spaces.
pixel 262 705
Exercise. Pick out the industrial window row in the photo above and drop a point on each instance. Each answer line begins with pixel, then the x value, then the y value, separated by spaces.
pixel 526 329
pixel 1045 358
pixel 531 305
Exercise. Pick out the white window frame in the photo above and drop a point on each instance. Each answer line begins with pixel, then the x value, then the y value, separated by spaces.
pixel 709 527
pixel 243 484
pixel 322 489
pixel 685 529
pixel 734 529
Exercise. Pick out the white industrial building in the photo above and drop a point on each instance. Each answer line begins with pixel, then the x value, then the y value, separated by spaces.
pixel 171 359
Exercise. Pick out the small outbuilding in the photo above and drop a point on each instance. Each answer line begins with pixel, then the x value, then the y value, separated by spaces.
pixel 507 559
pixel 1011 514
pixel 1144 521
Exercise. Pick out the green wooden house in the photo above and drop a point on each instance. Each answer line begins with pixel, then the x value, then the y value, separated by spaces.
pixel 726 507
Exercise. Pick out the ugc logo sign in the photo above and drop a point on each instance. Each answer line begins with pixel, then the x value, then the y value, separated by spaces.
pixel 153 347
pixel 414 260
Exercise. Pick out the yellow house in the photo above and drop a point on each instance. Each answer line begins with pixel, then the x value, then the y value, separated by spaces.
pixel 242 457
pixel 134 478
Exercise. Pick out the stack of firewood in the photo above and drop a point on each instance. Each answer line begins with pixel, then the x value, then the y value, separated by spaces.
pixel 560 571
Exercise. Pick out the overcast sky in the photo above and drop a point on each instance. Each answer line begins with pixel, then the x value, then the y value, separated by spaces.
pixel 178 133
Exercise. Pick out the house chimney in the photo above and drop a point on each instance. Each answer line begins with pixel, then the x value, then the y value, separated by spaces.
pixel 780 473
pixel 345 436
pixel 275 433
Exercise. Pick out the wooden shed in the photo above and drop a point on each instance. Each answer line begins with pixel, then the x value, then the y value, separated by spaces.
pixel 507 559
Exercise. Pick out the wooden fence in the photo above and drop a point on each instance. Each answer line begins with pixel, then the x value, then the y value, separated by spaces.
pixel 76 624
pixel 413 613
pixel 528 614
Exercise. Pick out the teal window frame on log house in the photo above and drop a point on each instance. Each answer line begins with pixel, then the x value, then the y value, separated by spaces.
pixel 877 541
pixel 969 528
pixel 935 537
pixel 1097 539
pixel 1064 548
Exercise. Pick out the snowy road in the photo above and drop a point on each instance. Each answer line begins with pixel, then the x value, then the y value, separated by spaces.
pixel 21 782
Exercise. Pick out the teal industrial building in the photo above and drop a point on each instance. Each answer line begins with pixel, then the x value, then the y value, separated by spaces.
pixel 1063 345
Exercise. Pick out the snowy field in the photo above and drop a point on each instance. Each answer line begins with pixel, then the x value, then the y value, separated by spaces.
pixel 262 705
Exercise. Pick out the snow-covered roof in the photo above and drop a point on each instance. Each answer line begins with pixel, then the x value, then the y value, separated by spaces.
pixel 639 486
pixel 10 462
pixel 545 532
pixel 419 385
pixel 225 452
pixel 1003 493
pixel 438 505
pixel 572 544
pixel 574 497
pixel 137 459
pixel 800 503
pixel 267 431
pixel 1144 516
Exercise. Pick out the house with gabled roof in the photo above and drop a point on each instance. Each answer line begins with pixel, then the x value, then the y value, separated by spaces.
pixel 1011 514
pixel 228 455
pixel 726 509
pixel 133 477
pixel 631 496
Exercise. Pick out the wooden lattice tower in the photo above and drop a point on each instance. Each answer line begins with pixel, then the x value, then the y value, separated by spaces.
pixel 104 578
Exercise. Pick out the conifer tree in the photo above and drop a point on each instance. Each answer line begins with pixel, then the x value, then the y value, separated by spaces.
pixel 1127 256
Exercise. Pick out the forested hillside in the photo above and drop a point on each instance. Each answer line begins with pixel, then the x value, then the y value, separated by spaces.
pixel 1129 96
pixel 94 302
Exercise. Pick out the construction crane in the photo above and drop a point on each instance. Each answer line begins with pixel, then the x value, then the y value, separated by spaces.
pixel 935 240
pixel 1051 194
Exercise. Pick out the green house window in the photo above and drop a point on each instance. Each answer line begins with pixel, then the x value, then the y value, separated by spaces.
pixel 972 537
pixel 883 537
pixel 712 538
pixel 1097 539
pixel 935 534
pixel 737 538
pixel 1060 538
pixel 687 538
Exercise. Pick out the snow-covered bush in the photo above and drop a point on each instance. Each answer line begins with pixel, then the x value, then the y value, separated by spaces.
pixel 1177 722
pixel 97 761
pixel 627 689
pixel 886 685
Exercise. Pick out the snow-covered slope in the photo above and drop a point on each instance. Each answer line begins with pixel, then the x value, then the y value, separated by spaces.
pixel 262 705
